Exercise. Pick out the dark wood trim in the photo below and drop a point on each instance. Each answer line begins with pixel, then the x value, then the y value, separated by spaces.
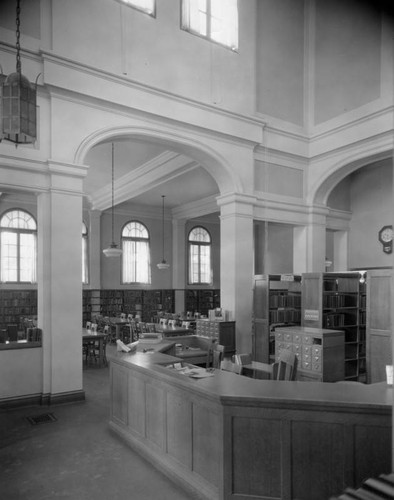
pixel 42 400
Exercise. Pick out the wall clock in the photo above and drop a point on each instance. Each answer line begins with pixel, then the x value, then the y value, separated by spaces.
pixel 386 238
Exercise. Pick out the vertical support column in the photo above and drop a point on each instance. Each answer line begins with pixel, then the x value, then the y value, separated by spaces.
pixel 316 241
pixel 179 262
pixel 300 262
pixel 236 261
pixel 341 247
pixel 60 284
pixel 95 250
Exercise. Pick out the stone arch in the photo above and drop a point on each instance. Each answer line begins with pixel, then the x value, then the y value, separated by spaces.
pixel 211 160
pixel 339 171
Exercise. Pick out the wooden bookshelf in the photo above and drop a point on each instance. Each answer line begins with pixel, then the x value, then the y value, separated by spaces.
pixel 146 303
pixel 202 301
pixel 337 301
pixel 276 302
pixel 16 305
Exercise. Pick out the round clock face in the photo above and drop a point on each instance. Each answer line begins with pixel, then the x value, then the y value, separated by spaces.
pixel 386 234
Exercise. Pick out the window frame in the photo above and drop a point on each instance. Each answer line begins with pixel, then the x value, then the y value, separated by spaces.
pixel 208 36
pixel 189 264
pixel 148 263
pixel 19 231
pixel 140 9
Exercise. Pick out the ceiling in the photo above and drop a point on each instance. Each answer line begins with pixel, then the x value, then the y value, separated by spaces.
pixel 144 171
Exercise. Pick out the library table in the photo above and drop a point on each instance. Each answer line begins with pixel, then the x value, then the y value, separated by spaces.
pixel 88 336
pixel 229 437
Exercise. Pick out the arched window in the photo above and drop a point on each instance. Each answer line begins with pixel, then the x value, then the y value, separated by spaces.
pixel 136 253
pixel 85 261
pixel 18 247
pixel 200 268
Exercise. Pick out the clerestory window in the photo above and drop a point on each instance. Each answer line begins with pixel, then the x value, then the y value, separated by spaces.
pixel 216 20
pixel 147 6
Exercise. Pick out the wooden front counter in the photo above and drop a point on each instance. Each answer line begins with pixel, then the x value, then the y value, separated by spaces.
pixel 230 437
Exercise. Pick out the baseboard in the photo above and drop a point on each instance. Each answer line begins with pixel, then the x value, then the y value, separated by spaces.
pixel 42 400
pixel 63 398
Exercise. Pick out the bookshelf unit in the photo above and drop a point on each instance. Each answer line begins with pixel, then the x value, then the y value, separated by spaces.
pixel 337 301
pixel 201 300
pixel 379 329
pixel 113 302
pixel 15 305
pixel 276 302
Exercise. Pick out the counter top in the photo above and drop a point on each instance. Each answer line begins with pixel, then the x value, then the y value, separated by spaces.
pixel 231 388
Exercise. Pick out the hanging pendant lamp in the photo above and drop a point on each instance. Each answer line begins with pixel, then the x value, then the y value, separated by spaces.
pixel 163 264
pixel 112 250
pixel 18 114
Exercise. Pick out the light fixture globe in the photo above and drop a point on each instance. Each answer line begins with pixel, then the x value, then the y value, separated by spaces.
pixel 163 265
pixel 112 251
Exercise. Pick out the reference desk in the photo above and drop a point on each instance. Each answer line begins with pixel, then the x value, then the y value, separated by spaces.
pixel 232 437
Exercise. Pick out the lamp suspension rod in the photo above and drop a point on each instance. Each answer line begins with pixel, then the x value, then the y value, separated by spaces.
pixel 163 227
pixel 113 181
pixel 18 35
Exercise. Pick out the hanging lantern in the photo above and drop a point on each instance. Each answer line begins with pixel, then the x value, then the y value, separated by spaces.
pixel 18 101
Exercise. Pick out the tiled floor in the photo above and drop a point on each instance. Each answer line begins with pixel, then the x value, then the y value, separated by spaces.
pixel 75 457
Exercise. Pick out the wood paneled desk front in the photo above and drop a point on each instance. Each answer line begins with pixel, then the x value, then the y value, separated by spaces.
pixel 229 437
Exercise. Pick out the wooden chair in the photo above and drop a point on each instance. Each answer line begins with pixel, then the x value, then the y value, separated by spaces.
pixel 283 369
pixel 151 327
pixel 171 323
pixel 229 366
pixel 163 322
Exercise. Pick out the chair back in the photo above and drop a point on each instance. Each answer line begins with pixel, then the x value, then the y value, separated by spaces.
pixel 151 327
pixel 123 316
pixel 185 324
pixel 163 321
pixel 94 327
pixel 228 366
pixel 286 367
pixel 88 325
pixel 171 323
pixel 130 317
pixel 217 355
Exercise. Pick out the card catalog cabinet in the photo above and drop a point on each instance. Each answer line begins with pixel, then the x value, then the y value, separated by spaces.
pixel 320 352
pixel 222 331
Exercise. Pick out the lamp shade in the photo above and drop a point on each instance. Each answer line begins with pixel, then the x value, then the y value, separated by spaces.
pixel 112 251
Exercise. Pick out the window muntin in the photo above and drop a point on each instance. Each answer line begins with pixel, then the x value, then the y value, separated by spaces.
pixel 136 267
pixel 216 20
pixel 200 267
pixel 18 247
pixel 85 257
pixel 147 6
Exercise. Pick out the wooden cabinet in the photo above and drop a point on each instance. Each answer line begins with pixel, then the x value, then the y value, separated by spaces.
pixel 379 331
pixel 320 353
pixel 337 301
pixel 222 331
pixel 276 302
